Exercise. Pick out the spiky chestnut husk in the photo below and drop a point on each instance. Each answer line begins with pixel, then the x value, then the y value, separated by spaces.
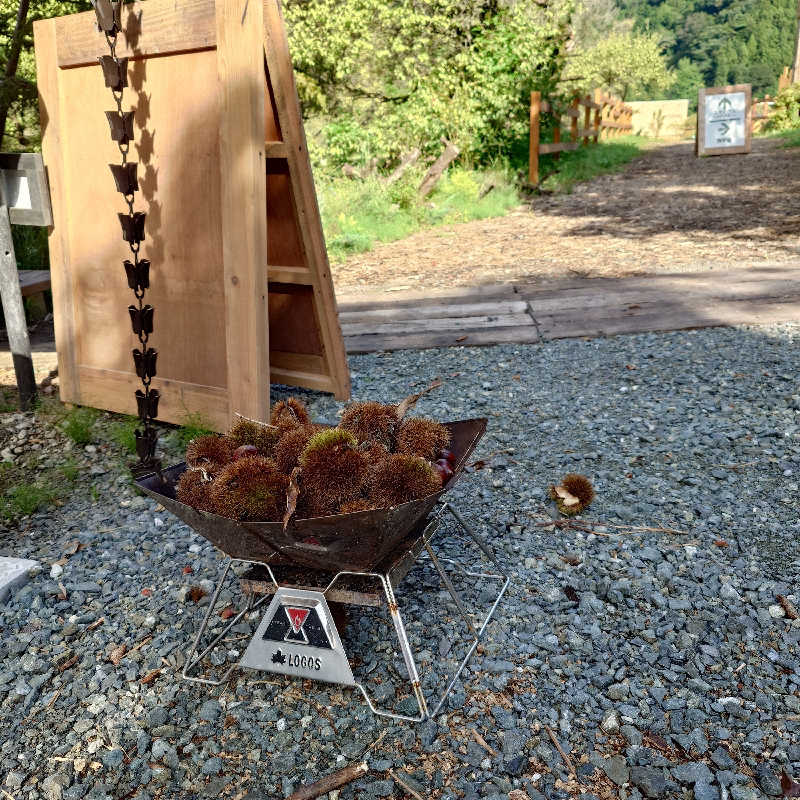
pixel 209 452
pixel 353 506
pixel 401 478
pixel 291 445
pixel 263 437
pixel 194 490
pixel 371 422
pixel 334 471
pixel 422 437
pixel 578 486
pixel 251 489
pixel 290 413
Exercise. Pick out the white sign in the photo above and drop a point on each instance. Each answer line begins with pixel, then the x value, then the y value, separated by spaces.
pixel 19 193
pixel 725 120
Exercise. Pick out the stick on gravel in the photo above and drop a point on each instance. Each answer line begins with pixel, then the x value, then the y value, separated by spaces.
pixel 329 782
pixel 566 758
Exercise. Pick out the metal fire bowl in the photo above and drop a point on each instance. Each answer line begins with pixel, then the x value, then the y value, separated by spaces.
pixel 358 541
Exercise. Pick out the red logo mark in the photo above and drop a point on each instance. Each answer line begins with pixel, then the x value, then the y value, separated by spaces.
pixel 297 616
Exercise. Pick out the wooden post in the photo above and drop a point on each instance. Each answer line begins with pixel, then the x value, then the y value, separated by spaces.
pixel 597 115
pixel 240 65
pixel 795 76
pixel 533 155
pixel 587 113
pixel 573 120
pixel 14 313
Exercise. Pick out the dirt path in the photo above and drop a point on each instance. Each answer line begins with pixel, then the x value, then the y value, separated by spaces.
pixel 667 212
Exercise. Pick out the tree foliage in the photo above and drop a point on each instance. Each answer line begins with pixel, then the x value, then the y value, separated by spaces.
pixel 383 78
pixel 629 64
pixel 729 41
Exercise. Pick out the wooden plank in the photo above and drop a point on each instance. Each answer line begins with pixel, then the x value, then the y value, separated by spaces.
pixel 50 113
pixel 309 380
pixel 436 324
pixel 423 341
pixel 414 312
pixel 299 275
pixel 572 112
pixel 665 318
pixel 275 150
pixel 558 147
pixel 106 388
pixel 436 170
pixel 584 132
pixel 281 84
pixel 388 298
pixel 170 28
pixel 33 281
pixel 240 65
pixel 545 105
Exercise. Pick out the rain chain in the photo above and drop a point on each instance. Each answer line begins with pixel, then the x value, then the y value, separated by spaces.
pixel 115 73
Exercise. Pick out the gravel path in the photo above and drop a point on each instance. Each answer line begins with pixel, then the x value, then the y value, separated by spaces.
pixel 667 211
pixel 663 662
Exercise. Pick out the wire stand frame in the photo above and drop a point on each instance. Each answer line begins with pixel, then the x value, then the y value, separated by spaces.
pixel 388 578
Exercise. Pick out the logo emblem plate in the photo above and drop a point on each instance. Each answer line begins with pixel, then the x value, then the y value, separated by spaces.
pixel 297 636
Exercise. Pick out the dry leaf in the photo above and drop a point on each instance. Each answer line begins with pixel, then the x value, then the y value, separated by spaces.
pixel 150 677
pixel 70 548
pixel 404 406
pixel 720 543
pixel 462 338
pixel 790 788
pixel 788 607
pixel 571 594
pixel 69 663
pixel 227 613
pixel 187 570
pixel 63 595
pixel 147 592
pixel 195 593
pixel 566 498
pixel 117 654
pixel 292 493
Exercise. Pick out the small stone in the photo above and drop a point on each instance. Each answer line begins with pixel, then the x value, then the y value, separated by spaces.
pixel 281 724
pixel 649 780
pixel 56 571
pixel 610 723
pixel 727 592
pixel 768 781
pixel 212 766
pixel 777 612
pixel 705 791
pixel 692 772
pixel 617 769
pixel 210 711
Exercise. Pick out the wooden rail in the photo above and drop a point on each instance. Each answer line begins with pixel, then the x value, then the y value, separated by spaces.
pixel 589 118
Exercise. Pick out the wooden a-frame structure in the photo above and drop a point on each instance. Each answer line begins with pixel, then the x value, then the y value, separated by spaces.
pixel 240 282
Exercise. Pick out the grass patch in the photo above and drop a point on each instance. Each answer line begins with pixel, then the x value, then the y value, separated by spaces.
pixel 588 162
pixel 358 214
pixel 78 424
pixel 121 432
pixel 21 494
pixel 8 400
pixel 791 138
pixel 194 425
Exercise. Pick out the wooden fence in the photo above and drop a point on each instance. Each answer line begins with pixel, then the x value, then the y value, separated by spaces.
pixel 601 114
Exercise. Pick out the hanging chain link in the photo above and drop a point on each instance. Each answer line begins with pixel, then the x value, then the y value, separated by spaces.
pixel 115 73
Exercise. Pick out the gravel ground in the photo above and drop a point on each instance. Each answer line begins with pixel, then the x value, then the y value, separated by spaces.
pixel 662 660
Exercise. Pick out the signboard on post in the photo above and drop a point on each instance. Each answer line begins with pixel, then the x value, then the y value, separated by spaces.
pixel 723 120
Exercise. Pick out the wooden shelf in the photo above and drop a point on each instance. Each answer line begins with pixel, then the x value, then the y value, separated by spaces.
pixel 300 275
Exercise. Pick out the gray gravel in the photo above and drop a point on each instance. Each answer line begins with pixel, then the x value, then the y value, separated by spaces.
pixel 662 661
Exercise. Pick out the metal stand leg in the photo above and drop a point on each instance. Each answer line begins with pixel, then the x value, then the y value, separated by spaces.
pixel 474 634
pixel 193 658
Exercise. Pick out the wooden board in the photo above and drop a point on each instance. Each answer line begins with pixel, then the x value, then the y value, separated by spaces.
pixel 33 281
pixel 233 229
pixel 739 129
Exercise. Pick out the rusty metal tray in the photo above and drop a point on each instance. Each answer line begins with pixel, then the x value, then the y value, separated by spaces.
pixel 358 541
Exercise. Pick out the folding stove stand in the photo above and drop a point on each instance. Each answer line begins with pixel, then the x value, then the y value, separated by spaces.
pixel 306 629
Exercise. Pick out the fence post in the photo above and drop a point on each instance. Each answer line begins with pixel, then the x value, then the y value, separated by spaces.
pixel 557 135
pixel 573 120
pixel 533 155
pixel 586 117
pixel 597 115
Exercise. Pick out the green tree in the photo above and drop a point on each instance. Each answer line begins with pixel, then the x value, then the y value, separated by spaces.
pixel 628 64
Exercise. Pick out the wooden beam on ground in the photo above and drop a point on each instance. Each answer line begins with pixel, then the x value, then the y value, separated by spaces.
pixel 449 154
